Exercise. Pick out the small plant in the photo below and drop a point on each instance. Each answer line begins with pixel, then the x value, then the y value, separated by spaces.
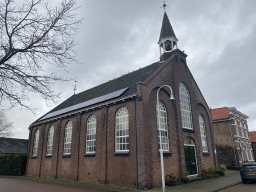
pixel 170 179
pixel 212 171
pixel 222 167
pixel 220 172
pixel 185 179
pixel 203 174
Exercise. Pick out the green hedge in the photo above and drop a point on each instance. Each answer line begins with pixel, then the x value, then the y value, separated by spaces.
pixel 13 164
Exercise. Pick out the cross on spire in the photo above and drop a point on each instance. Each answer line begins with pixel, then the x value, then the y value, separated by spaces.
pixel 164 5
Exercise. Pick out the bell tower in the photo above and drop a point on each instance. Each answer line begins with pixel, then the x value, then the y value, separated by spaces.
pixel 167 40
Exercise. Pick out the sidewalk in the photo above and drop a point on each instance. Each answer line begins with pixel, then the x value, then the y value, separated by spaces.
pixel 231 178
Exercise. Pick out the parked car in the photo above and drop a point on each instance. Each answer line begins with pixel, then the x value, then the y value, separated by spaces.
pixel 248 172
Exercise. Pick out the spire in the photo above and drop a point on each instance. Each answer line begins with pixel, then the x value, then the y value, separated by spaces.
pixel 167 40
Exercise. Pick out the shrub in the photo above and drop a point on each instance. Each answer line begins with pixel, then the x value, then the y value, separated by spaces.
pixel 212 171
pixel 220 172
pixel 170 179
pixel 185 179
pixel 222 167
pixel 14 165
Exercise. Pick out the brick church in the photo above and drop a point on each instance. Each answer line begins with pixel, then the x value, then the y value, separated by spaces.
pixel 112 133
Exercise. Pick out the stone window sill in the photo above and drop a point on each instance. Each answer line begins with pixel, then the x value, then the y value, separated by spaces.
pixel 89 155
pixel 166 153
pixel 66 155
pixel 188 130
pixel 121 153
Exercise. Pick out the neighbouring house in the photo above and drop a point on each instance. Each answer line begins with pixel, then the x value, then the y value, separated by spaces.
pixel 112 133
pixel 13 146
pixel 231 136
pixel 253 141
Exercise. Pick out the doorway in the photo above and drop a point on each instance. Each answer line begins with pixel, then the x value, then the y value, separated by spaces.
pixel 190 156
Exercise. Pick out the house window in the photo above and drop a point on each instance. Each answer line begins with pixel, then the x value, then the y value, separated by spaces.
pixel 246 151
pixel 242 129
pixel 237 130
pixel 68 138
pixel 185 107
pixel 162 129
pixel 50 140
pixel 246 131
pixel 122 130
pixel 91 134
pixel 203 133
pixel 36 140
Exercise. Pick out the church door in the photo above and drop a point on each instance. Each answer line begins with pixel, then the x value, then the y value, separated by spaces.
pixel 190 159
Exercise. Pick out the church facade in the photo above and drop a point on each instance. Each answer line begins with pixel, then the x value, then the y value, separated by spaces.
pixel 112 133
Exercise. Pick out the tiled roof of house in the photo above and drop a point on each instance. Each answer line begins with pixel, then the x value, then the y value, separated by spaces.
pixel 129 80
pixel 253 136
pixel 220 113
pixel 10 145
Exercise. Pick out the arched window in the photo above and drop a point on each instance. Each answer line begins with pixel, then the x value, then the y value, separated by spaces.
pixel 91 134
pixel 203 133
pixel 36 140
pixel 122 130
pixel 185 107
pixel 50 140
pixel 68 138
pixel 162 129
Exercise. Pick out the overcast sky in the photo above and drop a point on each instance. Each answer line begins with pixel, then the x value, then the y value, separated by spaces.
pixel 119 36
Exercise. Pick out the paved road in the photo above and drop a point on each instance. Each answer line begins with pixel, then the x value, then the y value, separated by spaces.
pixel 249 187
pixel 22 185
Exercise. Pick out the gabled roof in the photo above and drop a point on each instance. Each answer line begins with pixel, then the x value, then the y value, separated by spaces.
pixel 166 30
pixel 129 80
pixel 220 113
pixel 252 136
pixel 10 145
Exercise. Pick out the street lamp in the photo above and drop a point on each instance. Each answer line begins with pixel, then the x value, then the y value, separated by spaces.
pixel 161 148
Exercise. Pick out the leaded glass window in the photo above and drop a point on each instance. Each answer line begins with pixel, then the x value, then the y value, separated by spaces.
pixel 162 129
pixel 68 138
pixel 50 140
pixel 185 107
pixel 91 134
pixel 122 130
pixel 36 140
pixel 203 133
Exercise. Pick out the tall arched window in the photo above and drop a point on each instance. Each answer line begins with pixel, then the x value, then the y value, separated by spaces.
pixel 162 128
pixel 122 130
pixel 203 133
pixel 50 140
pixel 68 138
pixel 185 107
pixel 91 134
pixel 36 140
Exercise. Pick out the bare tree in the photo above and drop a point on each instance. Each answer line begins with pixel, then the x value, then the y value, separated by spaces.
pixel 5 126
pixel 31 35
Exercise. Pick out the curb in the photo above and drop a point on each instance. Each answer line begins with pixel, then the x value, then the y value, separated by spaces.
pixel 227 186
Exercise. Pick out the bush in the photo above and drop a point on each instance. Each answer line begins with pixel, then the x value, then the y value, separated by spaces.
pixel 170 179
pixel 14 165
pixel 212 171
pixel 185 179
pixel 234 168
pixel 222 167
pixel 220 172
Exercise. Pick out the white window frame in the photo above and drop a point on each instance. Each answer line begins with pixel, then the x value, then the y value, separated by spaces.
pixel 162 128
pixel 242 129
pixel 68 138
pixel 237 130
pixel 91 134
pixel 185 107
pixel 203 134
pixel 122 130
pixel 50 140
pixel 246 131
pixel 36 141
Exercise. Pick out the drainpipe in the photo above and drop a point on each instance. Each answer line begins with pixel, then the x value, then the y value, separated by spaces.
pixel 232 141
pixel 136 153
pixel 78 148
pixel 58 147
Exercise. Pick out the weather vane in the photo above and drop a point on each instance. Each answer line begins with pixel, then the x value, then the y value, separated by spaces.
pixel 164 5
